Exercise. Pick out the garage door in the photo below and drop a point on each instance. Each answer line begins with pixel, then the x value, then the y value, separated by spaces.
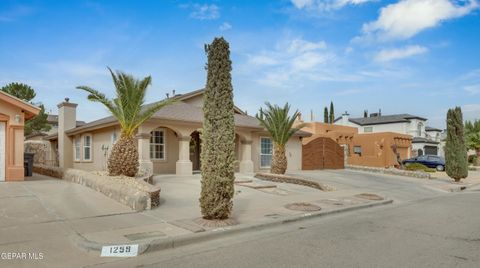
pixel 3 147
pixel 431 150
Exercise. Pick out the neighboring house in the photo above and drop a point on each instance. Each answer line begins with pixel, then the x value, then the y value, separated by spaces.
pixel 361 149
pixel 426 140
pixel 167 143
pixel 13 114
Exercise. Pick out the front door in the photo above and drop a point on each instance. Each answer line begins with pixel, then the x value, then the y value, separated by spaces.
pixel 3 146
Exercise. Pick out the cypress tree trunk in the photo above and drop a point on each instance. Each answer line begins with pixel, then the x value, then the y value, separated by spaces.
pixel 218 135
pixel 325 115
pixel 279 160
pixel 456 160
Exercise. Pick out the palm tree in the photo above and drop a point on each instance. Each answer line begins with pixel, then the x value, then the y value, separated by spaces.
pixel 472 137
pixel 128 109
pixel 279 124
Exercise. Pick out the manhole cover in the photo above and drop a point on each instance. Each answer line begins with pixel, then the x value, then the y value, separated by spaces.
pixel 369 196
pixel 303 207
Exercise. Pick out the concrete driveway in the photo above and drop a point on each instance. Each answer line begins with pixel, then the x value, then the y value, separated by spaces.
pixel 39 215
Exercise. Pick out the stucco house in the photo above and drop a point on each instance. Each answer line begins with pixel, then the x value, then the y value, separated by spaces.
pixel 13 114
pixel 426 140
pixel 168 143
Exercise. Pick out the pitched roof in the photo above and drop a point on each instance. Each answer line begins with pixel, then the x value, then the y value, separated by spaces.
pixel 29 109
pixel 383 119
pixel 53 119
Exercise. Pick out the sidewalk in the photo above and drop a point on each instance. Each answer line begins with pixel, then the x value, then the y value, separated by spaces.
pixel 450 185
pixel 257 204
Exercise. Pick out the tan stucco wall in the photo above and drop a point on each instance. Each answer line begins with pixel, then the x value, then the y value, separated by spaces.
pixel 293 150
pixel 376 147
pixel 13 141
pixel 100 138
pixel 167 166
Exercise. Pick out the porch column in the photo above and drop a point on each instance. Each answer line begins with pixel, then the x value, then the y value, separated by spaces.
pixel 246 164
pixel 144 160
pixel 184 165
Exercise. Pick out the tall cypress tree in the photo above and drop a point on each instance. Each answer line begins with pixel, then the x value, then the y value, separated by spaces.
pixel 332 113
pixel 456 164
pixel 218 135
pixel 325 115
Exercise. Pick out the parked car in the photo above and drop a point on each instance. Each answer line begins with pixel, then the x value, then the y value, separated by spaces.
pixel 431 161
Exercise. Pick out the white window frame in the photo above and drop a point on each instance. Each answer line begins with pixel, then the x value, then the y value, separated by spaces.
pixel 77 149
pixel 84 137
pixel 164 144
pixel 369 127
pixel 262 154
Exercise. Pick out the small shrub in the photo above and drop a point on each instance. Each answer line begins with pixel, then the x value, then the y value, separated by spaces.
pixel 472 159
pixel 419 167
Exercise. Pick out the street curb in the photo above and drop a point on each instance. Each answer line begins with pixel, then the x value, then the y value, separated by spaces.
pixel 183 240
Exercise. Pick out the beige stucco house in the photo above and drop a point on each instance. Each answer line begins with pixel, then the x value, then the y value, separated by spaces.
pixel 168 143
pixel 13 114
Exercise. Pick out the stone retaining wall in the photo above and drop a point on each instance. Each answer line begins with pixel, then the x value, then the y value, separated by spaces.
pixel 50 171
pixel 126 194
pixel 392 171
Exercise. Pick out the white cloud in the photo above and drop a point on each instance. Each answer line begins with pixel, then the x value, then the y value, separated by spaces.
pixel 293 61
pixel 205 12
pixel 472 89
pixel 326 5
pixel 399 53
pixel 262 60
pixel 225 26
pixel 300 45
pixel 407 18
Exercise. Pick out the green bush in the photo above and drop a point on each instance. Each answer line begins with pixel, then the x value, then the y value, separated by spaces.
pixel 419 167
pixel 472 159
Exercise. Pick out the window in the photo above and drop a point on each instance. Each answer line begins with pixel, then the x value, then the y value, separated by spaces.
pixel 368 129
pixel 157 145
pixel 419 129
pixel 87 148
pixel 357 150
pixel 266 149
pixel 76 149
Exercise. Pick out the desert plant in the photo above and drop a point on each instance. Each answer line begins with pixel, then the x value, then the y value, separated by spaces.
pixel 127 107
pixel 419 167
pixel 472 159
pixel 279 124
pixel 456 164
pixel 472 138
pixel 218 135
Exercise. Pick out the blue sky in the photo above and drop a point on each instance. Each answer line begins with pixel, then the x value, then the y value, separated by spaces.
pixel 408 56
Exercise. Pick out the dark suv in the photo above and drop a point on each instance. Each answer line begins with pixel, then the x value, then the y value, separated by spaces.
pixel 431 161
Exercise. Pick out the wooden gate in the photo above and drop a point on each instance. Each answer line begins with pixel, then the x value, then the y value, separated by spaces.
pixel 322 153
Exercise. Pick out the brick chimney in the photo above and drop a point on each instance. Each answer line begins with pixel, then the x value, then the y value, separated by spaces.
pixel 67 118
